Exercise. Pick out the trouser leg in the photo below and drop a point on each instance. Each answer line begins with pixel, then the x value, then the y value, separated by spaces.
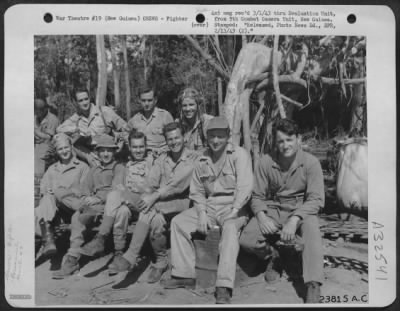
pixel 76 239
pixel 183 255
pixel 158 240
pixel 228 252
pixel 120 227
pixel 253 241
pixel 312 252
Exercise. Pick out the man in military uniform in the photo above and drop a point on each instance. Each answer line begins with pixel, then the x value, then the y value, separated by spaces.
pixel 61 189
pixel 46 124
pixel 169 180
pixel 220 188
pixel 99 182
pixel 124 199
pixel 89 121
pixel 288 194
pixel 151 121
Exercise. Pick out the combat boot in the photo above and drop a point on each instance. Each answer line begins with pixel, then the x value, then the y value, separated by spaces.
pixel 49 247
pixel 95 247
pixel 159 245
pixel 222 295
pixel 313 292
pixel 119 264
pixel 69 267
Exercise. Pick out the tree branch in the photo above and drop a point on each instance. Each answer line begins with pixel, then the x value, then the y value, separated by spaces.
pixel 207 57
pixel 275 77
pixel 291 101
pixel 332 81
pixel 282 79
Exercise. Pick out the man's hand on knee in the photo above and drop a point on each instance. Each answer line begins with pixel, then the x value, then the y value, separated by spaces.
pixel 289 229
pixel 266 223
pixel 203 223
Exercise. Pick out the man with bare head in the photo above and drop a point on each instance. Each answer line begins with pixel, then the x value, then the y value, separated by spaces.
pixel 287 196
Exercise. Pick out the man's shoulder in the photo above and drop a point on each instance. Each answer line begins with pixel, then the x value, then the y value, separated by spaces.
pixel 162 112
pixel 308 159
pixel 52 117
pixel 80 164
pixel 237 151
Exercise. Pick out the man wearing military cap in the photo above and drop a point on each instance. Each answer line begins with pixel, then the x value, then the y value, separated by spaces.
pixel 61 188
pixel 220 188
pixel 99 182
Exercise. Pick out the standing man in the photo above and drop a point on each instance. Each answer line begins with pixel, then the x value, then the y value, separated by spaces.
pixel 169 180
pixel 89 121
pixel 46 124
pixel 99 182
pixel 221 186
pixel 288 194
pixel 151 121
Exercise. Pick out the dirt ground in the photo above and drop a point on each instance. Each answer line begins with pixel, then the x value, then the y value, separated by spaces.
pixel 346 281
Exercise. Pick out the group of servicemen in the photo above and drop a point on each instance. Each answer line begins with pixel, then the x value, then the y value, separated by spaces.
pixel 182 177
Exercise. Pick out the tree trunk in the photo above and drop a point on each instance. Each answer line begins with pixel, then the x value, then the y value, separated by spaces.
pixel 102 71
pixel 253 59
pixel 221 110
pixel 126 78
pixel 275 78
pixel 116 75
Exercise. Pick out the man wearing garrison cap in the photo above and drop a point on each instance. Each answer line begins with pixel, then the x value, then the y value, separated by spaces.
pixel 103 178
pixel 60 189
pixel 220 188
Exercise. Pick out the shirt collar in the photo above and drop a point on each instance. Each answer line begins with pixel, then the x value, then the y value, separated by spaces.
pixel 73 163
pixel 153 114
pixel 109 166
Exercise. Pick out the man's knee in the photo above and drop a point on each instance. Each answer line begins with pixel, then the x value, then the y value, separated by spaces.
pixel 310 225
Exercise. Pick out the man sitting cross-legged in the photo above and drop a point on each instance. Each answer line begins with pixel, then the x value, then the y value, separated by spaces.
pixel 124 199
pixel 169 179
pixel 221 186
pixel 98 183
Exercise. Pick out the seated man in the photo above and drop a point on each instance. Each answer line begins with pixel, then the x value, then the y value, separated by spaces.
pixel 89 121
pixel 61 188
pixel 124 199
pixel 221 186
pixel 169 180
pixel 99 182
pixel 288 193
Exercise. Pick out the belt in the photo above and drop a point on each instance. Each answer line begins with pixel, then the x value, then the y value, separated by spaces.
pixel 229 194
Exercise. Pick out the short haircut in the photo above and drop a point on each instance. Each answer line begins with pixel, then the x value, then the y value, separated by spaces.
pixel 40 103
pixel 289 127
pixel 172 127
pixel 81 89
pixel 146 88
pixel 134 134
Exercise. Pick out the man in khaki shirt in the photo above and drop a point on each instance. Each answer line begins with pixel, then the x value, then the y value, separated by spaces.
pixel 151 121
pixel 288 194
pixel 169 180
pixel 89 121
pixel 220 188
pixel 98 183
pixel 61 189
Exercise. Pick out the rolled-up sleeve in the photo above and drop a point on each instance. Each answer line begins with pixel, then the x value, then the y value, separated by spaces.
pixel 259 198
pixel 116 121
pixel 244 178
pixel 197 190
pixel 314 198
pixel 154 177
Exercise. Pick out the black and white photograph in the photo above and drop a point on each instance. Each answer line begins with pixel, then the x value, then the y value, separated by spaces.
pixel 200 167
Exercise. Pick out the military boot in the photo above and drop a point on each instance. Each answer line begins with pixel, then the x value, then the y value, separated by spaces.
pixel 119 264
pixel 273 268
pixel 49 247
pixel 95 247
pixel 313 292
pixel 222 295
pixel 159 245
pixel 69 267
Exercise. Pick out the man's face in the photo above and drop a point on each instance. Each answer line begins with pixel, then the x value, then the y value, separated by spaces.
pixel 217 139
pixel 287 145
pixel 40 112
pixel 83 101
pixel 174 140
pixel 189 108
pixel 137 148
pixel 64 151
pixel 106 155
pixel 148 101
